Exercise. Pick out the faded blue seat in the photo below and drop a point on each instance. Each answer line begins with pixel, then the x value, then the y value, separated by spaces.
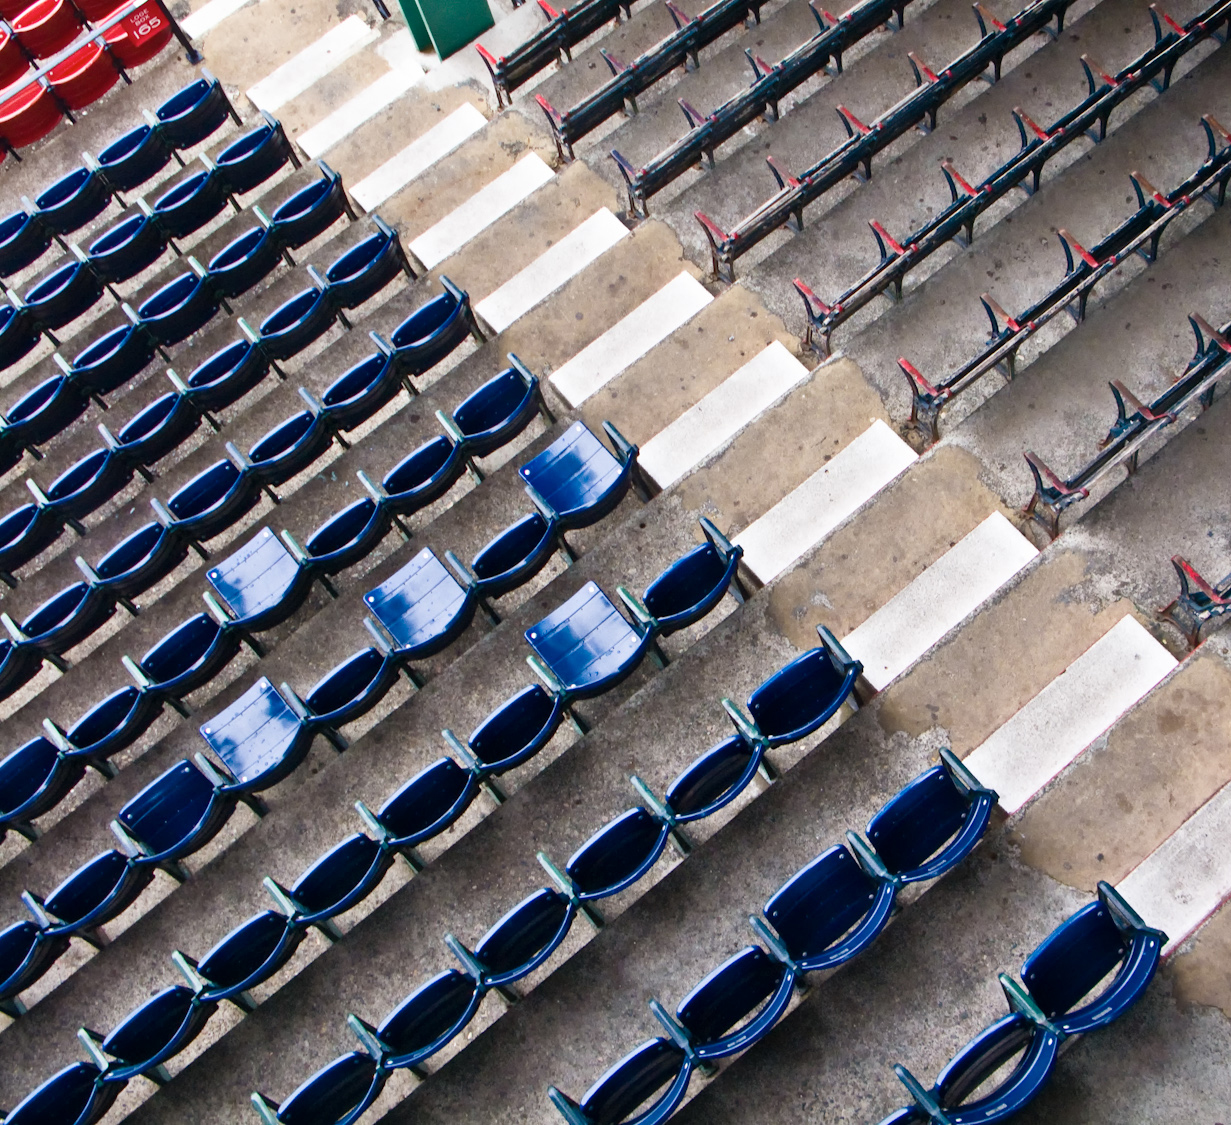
pixel 135 157
pixel 261 584
pixel 420 478
pixel 22 242
pixel 42 413
pixel 312 210
pixel 933 823
pixel 99 890
pixel 110 361
pixel 244 261
pixel 577 480
pixel 497 411
pixel 434 330
pixel 1102 938
pixel 801 697
pixel 749 991
pixel 111 725
pixel 247 957
pixel 657 1064
pixel 62 295
pixel 62 621
pixel 209 503
pixel 509 560
pixel 586 646
pixel 137 562
pixel 251 159
pixel 26 953
pixel 694 584
pixel 189 656
pixel 344 538
pixel 360 391
pixel 83 487
pixel 34 778
pixel 258 738
pixel 286 450
pixel 76 1095
pixel 126 248
pixel 337 1094
pixel 367 267
pixel 191 203
pixel 177 814
pixel 72 201
pixel 426 1021
pixel 827 912
pixel 149 1035
pixel 190 115
pixel 153 431
pixel 181 307
pixel 224 378
pixel 518 943
pixel 294 324
pixel 348 690
pixel 18 335
pixel 421 609
pixel 25 532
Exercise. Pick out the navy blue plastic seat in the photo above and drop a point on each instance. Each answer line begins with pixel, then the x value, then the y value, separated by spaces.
pixel 509 560
pixel 111 360
pixel 125 249
pixel 312 210
pixel 209 503
pixel 248 956
pixel 577 480
pixel 933 823
pixel 251 159
pixel 72 201
pixel 259 738
pixel 244 261
pixel 497 412
pixel 98 891
pixel 149 1035
pixel 286 450
pixel 344 538
pixel 189 656
pixel 224 378
pixel 181 307
pixel 801 697
pixel 42 413
pixel 337 1094
pixel 26 953
pixel 189 204
pixel 421 809
pixel 693 585
pixel 435 329
pixel 153 432
pixel 1102 938
pixel 950 1098
pixel 175 815
pixel 22 242
pixel 518 943
pixel 62 621
pixel 34 778
pixel 76 1095
pixel 190 115
pixel 625 1088
pixel 135 157
pixel 295 324
pixel 111 725
pixel 341 878
pixel 261 584
pixel 83 487
pixel 586 646
pixel 422 1024
pixel 25 532
pixel 362 389
pixel 346 691
pixel 63 295
pixel 18 666
pixel 137 562
pixel 421 609
pixel 367 267
pixel 420 478
pixel 735 1005
pixel 18 334
pixel 828 912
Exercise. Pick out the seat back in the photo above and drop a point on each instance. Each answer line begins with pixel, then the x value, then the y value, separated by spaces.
pixel 687 581
pixel 166 811
pixel 631 1081
pixel 65 1097
pixel 347 682
pixel 729 994
pixel 521 936
pixel 1073 958
pixel 818 904
pixel 180 649
pixel 491 404
pixel 792 697
pixel 244 950
pixel 517 728
pixel 616 853
pixel 918 821
pixel 256 736
pixel 417 602
pixel 23 773
pixel 574 472
pixel 87 887
pixel 105 719
pixel 151 1026
pixel 428 802
pixel 256 577
pixel 332 1092
pixel 337 873
pixel 430 1011
pixel 711 777
pixel 205 490
pixel 586 640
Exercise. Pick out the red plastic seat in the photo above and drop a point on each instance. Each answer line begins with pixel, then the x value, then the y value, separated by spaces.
pixel 47 26
pixel 29 116
pixel 11 9
pixel 13 62
pixel 94 10
pixel 129 54
pixel 84 77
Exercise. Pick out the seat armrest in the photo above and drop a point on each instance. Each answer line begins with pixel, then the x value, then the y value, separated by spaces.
pixel 743 723
pixel 464 572
pixel 317 279
pixel 965 780
pixel 626 451
pixel 296 704
pixel 311 401
pixel 109 439
pixel 671 1026
pixel 636 607
pixel 839 657
pixel 376 491
pixel 469 962
pixel 1021 1002
pixel 221 614
pixel 462 751
pixel 545 509
pixel 143 682
pixel 11 626
pixel 1124 916
pixel 380 634
pixel 657 806
pixel 56 736
pixel 720 542
pixel 372 822
pixel 188 970
pixel 197 268
pixel 162 513
pixel 282 897
pixel 366 1034
pixel 265 1110
pixel 527 376
pixel 867 858
pixel 181 388
pixel 540 669
pixel 250 333
pixel 218 775
pixel 91 1041
pixel 40 497
pixel 88 572
pixel 458 294
pixel 292 544
pixel 450 427
pixel 65 367
pixel 34 904
pixel 382 345
pixel 240 459
pixel 130 846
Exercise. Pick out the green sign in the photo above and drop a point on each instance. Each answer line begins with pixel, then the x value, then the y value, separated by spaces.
pixel 446 26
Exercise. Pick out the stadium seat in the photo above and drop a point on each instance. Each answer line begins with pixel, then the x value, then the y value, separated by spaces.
pixel 310 211
pixel 18 666
pixel 191 203
pixel 826 913
pixel 295 324
pixel 76 1094
pixel 348 690
pixel 83 487
pixel 110 361
pixel 577 480
pixel 693 585
pixel 189 656
pixel 181 307
pixel 25 532
pixel 434 330
pixel 648 1068
pixel 208 504
pixel 42 413
pixel 932 824
pixel 72 201
pixel 125 249
pixel 1102 938
pixel 260 584
pixel 420 478
pixel 62 296
pixel 132 159
pixel 153 432
pixel 14 62
pixel 364 388
pixel 248 956
pixel 337 1094
pixel 29 116
pixel 223 378
pixel 244 261
pixel 26 953
pixel 496 413
pixel 98 891
pixel 509 560
pixel 85 76
pixel 136 563
pixel 193 113
pixel 254 157
pixel 47 27
pixel 367 267
pixel 62 621
pixel 286 450
pixel 111 725
pixel 23 240
pixel 342 540
pixel 33 779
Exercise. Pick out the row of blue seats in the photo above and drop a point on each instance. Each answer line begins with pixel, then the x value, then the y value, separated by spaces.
pixel 826 914
pixel 263 736
pixel 793 703
pixel 175 312
pixel 421 809
pixel 160 427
